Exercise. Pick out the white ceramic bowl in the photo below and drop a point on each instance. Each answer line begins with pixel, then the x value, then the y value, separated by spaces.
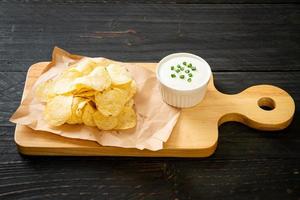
pixel 187 97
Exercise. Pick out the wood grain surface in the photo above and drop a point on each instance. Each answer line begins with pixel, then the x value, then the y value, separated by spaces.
pixel 245 44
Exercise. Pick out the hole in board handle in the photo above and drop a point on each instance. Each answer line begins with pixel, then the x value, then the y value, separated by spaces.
pixel 266 103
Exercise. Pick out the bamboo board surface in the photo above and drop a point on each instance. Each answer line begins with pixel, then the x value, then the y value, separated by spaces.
pixel 195 134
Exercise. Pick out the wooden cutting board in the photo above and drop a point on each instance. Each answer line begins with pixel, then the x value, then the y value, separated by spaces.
pixel 195 134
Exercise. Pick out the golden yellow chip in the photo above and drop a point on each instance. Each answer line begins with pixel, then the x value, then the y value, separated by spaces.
pixel 64 83
pixel 80 106
pixel 129 103
pixel 118 74
pixel 85 93
pixel 111 102
pixel 77 110
pixel 98 80
pixel 87 116
pixel 44 91
pixel 88 93
pixel 130 88
pixel 81 90
pixel 58 110
pixel 126 119
pixel 102 62
pixel 85 66
pixel 105 122
pixel 91 98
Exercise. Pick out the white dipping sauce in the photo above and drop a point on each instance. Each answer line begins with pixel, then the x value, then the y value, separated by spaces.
pixel 199 77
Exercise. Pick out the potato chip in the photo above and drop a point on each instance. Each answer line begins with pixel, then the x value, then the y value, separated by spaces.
pixel 126 119
pixel 44 91
pixel 87 93
pixel 98 80
pixel 102 61
pixel 64 83
pixel 80 106
pixel 129 103
pixel 85 66
pixel 111 102
pixel 87 116
pixel 130 88
pixel 77 110
pixel 105 122
pixel 119 75
pixel 58 110
pixel 91 98
pixel 81 90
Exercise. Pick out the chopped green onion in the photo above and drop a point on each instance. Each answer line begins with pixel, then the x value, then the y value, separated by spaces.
pixel 173 75
pixel 177 70
pixel 189 80
pixel 194 68
pixel 181 76
pixel 187 71
pixel 184 63
pixel 172 68
pixel 182 68
pixel 178 66
pixel 191 75
pixel 190 65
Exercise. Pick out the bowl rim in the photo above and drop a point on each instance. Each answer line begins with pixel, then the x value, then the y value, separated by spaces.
pixel 180 54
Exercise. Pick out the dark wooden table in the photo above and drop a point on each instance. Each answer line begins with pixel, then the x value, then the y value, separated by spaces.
pixel 245 44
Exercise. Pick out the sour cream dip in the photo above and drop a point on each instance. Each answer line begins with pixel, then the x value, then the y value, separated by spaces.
pixel 183 79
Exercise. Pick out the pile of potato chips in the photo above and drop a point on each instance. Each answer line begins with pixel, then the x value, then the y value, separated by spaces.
pixel 91 92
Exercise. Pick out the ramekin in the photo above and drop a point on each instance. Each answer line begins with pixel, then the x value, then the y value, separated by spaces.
pixel 188 97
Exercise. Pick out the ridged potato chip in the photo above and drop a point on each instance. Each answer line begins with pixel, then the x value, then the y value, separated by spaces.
pixel 77 110
pixel 129 103
pixel 130 88
pixel 119 75
pixel 87 116
pixel 126 119
pixel 85 66
pixel 133 89
pixel 64 82
pixel 58 110
pixel 80 106
pixel 105 122
pixel 87 93
pixel 44 91
pixel 111 102
pixel 98 80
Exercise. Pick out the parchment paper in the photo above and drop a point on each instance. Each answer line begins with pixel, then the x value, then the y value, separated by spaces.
pixel 155 119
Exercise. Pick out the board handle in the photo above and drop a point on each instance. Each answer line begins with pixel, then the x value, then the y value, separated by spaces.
pixel 263 107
